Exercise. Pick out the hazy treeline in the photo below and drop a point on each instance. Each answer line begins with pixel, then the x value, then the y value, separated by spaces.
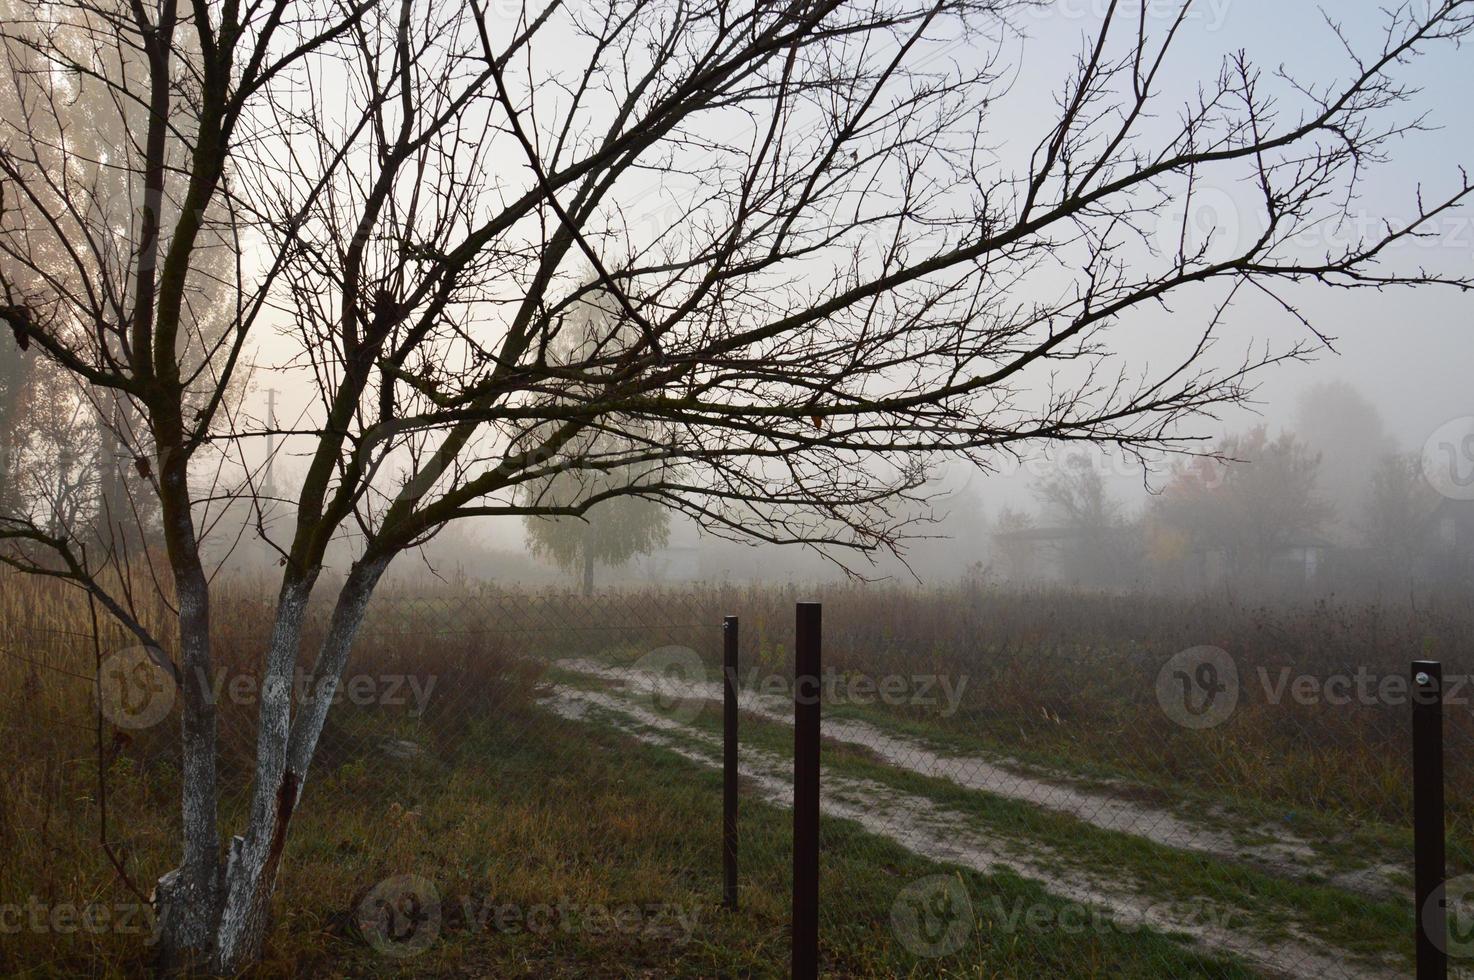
pixel 1325 501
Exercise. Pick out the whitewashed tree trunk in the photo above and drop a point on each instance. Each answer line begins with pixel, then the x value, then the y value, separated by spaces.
pixel 284 753
pixel 187 898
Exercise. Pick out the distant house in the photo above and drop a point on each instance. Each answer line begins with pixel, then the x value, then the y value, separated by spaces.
pixel 1180 561
pixel 1300 563
pixel 1449 544
pixel 1303 562
pixel 1097 558
pixel 1035 553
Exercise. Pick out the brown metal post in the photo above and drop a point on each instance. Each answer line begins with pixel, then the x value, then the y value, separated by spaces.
pixel 806 690
pixel 1428 824
pixel 729 763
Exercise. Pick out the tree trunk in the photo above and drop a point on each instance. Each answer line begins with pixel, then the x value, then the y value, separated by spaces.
pixel 284 753
pixel 188 897
pixel 236 939
pixel 588 571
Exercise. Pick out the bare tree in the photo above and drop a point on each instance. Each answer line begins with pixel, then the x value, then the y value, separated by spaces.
pixel 822 275
pixel 1095 550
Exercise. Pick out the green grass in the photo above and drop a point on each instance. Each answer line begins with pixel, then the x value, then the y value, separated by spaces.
pixel 1339 838
pixel 527 817
pixel 1259 901
pixel 519 810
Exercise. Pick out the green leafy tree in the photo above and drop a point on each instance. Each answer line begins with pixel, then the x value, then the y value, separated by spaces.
pixel 609 534
pixel 619 527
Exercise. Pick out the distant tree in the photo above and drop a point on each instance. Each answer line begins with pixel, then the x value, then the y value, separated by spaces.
pixel 951 511
pixel 1016 553
pixel 1345 428
pixel 617 529
pixel 56 463
pixel 48 443
pixel 1397 509
pixel 962 532
pixel 14 372
pixel 70 96
pixel 1256 499
pixel 611 533
pixel 1075 499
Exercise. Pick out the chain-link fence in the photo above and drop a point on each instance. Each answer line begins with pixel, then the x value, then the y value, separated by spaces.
pixel 529 784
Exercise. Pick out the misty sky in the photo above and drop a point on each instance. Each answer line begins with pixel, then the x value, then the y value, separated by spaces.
pixel 1409 351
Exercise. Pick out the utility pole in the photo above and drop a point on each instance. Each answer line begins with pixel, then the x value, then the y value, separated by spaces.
pixel 270 482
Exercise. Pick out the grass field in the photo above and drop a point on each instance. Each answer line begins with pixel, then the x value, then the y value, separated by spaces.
pixel 1066 834
pixel 516 819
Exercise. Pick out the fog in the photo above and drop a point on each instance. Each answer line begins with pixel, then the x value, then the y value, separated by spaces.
pixel 1099 366
pixel 1388 376
pixel 1392 379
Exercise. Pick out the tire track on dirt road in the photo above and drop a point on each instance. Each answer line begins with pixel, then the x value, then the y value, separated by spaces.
pixel 931 831
pixel 1269 847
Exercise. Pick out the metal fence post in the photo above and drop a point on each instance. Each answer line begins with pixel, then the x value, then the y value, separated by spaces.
pixel 729 762
pixel 1428 825
pixel 806 691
